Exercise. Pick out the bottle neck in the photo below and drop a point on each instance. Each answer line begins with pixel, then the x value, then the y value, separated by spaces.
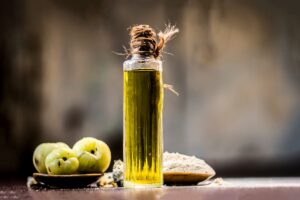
pixel 142 62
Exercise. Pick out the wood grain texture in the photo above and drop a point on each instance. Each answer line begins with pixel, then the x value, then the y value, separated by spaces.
pixel 259 189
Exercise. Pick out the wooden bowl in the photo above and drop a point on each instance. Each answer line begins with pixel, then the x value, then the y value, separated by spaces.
pixel 185 177
pixel 67 181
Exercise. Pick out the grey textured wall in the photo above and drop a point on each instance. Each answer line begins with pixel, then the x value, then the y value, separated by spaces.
pixel 235 65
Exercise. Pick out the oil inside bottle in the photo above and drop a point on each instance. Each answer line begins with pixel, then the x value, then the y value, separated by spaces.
pixel 143 104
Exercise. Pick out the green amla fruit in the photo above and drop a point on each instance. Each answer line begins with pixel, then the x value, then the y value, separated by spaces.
pixel 61 161
pixel 41 152
pixel 94 155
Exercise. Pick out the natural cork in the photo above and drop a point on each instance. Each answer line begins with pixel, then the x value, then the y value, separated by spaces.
pixel 145 42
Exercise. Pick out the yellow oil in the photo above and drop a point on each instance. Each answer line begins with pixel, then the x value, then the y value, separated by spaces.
pixel 143 139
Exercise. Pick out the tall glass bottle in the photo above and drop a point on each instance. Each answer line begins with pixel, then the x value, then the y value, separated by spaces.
pixel 143 118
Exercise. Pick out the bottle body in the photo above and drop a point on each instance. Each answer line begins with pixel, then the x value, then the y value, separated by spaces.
pixel 142 121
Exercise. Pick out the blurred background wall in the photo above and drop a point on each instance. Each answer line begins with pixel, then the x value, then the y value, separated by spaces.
pixel 235 65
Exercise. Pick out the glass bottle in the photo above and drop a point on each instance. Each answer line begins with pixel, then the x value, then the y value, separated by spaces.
pixel 143 121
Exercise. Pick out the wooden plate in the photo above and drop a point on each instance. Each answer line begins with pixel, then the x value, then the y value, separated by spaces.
pixel 67 181
pixel 185 177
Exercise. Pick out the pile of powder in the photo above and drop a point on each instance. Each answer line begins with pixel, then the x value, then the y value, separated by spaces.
pixel 176 162
pixel 172 162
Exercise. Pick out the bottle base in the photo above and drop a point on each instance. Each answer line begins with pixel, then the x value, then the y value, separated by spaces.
pixel 129 184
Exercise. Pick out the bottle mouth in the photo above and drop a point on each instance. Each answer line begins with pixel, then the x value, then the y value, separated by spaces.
pixel 141 62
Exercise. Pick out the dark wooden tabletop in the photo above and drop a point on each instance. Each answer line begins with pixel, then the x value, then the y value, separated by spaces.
pixel 231 189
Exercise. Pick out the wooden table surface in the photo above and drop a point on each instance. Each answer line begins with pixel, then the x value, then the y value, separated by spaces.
pixel 233 189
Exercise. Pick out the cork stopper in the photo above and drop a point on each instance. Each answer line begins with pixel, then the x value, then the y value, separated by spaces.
pixel 144 40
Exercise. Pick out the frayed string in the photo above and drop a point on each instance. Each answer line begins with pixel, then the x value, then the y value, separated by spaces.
pixel 145 41
pixel 171 88
pixel 164 37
